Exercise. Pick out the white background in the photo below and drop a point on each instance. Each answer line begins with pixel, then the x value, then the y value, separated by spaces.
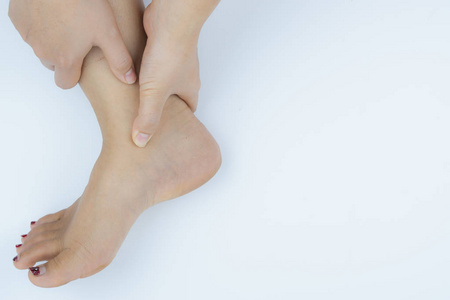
pixel 333 117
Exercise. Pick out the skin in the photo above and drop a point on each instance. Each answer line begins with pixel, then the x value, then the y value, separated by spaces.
pixel 83 239
pixel 169 65
pixel 170 62
pixel 45 24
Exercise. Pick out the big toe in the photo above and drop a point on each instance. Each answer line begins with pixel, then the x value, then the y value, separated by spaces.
pixel 62 269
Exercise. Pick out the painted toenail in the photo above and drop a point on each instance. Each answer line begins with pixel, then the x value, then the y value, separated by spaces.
pixel 33 222
pixel 19 245
pixel 16 258
pixel 24 235
pixel 38 270
pixel 142 139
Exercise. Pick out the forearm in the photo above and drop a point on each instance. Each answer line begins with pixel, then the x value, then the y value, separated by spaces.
pixel 183 19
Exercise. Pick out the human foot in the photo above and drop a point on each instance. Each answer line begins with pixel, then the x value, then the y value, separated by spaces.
pixel 83 239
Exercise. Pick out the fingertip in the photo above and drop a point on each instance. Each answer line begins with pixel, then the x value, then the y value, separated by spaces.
pixel 141 139
pixel 64 85
pixel 130 76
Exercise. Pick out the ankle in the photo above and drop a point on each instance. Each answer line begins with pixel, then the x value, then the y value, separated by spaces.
pixel 128 170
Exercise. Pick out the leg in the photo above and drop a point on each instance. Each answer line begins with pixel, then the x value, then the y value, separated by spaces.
pixel 83 239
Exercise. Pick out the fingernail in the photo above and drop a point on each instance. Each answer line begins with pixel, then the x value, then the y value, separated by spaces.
pixel 38 270
pixel 33 222
pixel 142 139
pixel 24 235
pixel 16 258
pixel 19 245
pixel 130 76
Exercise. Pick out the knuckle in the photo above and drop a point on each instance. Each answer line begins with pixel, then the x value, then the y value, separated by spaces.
pixel 39 51
pixel 122 62
pixel 28 35
pixel 147 91
pixel 148 120
pixel 65 61
pixel 150 94
pixel 153 88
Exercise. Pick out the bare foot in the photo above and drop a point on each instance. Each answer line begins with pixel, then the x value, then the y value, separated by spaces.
pixel 83 239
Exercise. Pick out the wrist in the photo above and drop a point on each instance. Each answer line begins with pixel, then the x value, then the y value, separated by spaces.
pixel 178 20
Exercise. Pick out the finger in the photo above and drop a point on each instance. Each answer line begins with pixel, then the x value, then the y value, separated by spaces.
pixel 66 77
pixel 150 110
pixel 48 64
pixel 117 55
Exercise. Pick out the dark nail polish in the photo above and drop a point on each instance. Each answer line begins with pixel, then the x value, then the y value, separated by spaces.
pixel 35 271
pixel 33 222
pixel 15 258
pixel 24 235
pixel 19 245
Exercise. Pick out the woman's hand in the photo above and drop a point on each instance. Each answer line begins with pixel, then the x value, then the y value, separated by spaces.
pixel 62 33
pixel 170 62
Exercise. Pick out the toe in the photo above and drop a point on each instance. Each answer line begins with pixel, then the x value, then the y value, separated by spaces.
pixel 50 218
pixel 39 252
pixel 38 229
pixel 34 239
pixel 18 248
pixel 58 271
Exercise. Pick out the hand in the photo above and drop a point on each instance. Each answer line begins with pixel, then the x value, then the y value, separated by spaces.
pixel 62 33
pixel 169 66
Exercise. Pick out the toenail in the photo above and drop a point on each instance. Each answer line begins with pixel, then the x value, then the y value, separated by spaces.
pixel 37 270
pixel 33 222
pixel 19 245
pixel 16 258
pixel 24 235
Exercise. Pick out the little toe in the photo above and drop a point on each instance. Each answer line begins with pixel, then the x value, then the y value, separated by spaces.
pixel 61 269
pixel 39 252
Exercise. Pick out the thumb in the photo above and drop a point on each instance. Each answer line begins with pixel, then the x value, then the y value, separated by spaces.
pixel 151 106
pixel 117 55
